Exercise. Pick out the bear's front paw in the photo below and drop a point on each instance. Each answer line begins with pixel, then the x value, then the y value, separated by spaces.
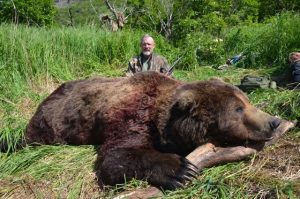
pixel 172 172
pixel 163 170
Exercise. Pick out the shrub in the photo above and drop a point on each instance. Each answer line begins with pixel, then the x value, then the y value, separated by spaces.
pixel 201 49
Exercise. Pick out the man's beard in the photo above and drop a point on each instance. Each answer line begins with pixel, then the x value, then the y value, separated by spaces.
pixel 147 53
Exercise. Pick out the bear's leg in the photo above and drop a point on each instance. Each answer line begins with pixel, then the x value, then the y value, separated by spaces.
pixel 163 170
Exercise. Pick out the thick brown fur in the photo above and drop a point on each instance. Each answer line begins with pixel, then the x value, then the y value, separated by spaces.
pixel 147 123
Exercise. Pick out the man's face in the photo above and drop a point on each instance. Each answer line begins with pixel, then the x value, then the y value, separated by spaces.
pixel 147 45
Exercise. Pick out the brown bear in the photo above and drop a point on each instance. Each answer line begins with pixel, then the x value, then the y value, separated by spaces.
pixel 147 123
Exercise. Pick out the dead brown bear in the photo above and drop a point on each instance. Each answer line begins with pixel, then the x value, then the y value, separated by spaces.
pixel 147 123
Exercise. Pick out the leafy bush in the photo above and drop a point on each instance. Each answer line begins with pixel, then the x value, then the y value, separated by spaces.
pixel 201 49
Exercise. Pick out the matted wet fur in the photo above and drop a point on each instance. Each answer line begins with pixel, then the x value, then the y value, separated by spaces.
pixel 147 123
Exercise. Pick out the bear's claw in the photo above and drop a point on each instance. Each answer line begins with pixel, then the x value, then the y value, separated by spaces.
pixel 186 173
pixel 173 185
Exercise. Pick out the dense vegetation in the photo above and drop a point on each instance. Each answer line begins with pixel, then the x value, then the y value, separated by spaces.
pixel 35 57
pixel 30 12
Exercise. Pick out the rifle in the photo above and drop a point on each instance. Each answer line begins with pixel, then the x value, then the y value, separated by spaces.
pixel 170 71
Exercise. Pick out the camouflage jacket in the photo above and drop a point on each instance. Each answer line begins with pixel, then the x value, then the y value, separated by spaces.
pixel 155 63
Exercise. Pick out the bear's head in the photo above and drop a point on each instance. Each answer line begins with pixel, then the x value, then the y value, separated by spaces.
pixel 216 111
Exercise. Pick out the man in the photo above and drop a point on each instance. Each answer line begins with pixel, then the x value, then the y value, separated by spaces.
pixel 294 59
pixel 147 60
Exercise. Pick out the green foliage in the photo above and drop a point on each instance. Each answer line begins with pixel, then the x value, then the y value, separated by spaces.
pixel 269 8
pixel 212 17
pixel 148 15
pixel 196 29
pixel 212 23
pixel 201 49
pixel 84 12
pixel 265 44
pixel 30 12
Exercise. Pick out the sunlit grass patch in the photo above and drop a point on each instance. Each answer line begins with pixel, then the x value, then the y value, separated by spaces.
pixel 281 102
pixel 233 75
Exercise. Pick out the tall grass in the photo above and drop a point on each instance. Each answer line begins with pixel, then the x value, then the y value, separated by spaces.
pixel 66 52
pixel 266 44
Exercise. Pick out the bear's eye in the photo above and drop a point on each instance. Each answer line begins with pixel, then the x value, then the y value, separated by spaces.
pixel 239 109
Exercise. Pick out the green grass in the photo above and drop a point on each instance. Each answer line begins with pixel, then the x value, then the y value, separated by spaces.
pixel 34 61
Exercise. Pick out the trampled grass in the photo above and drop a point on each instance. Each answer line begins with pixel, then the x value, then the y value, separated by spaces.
pixel 33 62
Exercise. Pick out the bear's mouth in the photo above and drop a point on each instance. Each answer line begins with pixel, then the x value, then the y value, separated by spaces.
pixel 261 136
pixel 268 139
pixel 250 143
pixel 265 139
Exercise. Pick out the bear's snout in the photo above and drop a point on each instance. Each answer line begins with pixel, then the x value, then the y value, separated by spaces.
pixel 274 124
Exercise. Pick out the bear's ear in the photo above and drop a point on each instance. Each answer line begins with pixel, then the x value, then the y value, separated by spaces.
pixel 186 101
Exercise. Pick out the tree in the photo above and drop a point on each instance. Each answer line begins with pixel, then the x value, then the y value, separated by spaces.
pixel 118 20
pixel 156 15
pixel 30 12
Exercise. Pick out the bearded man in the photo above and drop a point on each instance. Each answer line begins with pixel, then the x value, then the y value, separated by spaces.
pixel 147 60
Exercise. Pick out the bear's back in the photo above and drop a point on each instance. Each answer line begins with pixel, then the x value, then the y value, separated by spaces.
pixel 76 111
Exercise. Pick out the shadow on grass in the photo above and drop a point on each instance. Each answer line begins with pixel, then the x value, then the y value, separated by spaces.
pixel 284 79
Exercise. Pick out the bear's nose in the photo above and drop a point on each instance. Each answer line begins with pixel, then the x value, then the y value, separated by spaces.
pixel 275 123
